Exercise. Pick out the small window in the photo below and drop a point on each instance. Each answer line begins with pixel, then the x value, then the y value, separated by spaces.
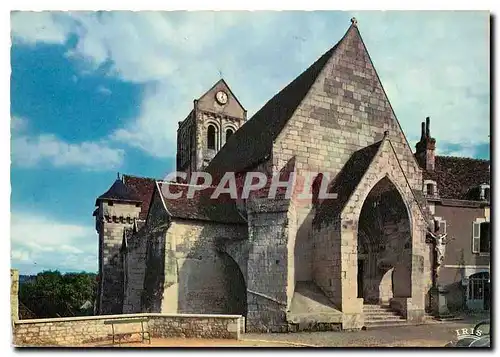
pixel 229 132
pixel 487 193
pixel 442 227
pixel 211 137
pixel 110 203
pixel 481 237
pixel 430 189
pixel 484 240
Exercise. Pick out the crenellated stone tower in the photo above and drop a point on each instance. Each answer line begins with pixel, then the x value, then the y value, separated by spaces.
pixel 215 116
pixel 117 209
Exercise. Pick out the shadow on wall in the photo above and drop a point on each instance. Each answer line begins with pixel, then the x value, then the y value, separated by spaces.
pixel 113 280
pixel 154 278
pixel 210 281
pixel 196 278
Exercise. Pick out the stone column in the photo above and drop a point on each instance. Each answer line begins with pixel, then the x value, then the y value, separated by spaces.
pixel 350 304
pixel 414 307
pixel 14 295
pixel 267 284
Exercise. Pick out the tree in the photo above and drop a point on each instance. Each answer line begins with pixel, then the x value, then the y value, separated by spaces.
pixel 53 294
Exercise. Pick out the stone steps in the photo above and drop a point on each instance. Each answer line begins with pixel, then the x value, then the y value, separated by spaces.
pixel 381 316
pixel 370 325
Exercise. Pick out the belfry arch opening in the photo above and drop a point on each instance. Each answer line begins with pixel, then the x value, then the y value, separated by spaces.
pixel 384 246
pixel 211 137
pixel 229 132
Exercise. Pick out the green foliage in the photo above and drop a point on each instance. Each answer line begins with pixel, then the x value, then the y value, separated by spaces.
pixel 52 294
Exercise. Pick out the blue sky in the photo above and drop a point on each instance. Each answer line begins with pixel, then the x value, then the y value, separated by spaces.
pixel 93 94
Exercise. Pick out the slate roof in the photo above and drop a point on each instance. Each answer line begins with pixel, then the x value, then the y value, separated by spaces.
pixel 143 188
pixel 201 206
pixel 458 177
pixel 346 182
pixel 250 144
pixel 119 192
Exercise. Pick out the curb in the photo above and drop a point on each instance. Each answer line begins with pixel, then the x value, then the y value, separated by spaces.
pixel 282 342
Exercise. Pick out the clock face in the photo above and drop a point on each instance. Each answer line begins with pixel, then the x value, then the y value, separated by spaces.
pixel 221 97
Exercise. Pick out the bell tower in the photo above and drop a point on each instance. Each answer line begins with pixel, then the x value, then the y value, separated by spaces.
pixel 116 210
pixel 215 117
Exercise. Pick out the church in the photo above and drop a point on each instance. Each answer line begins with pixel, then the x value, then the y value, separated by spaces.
pixel 406 236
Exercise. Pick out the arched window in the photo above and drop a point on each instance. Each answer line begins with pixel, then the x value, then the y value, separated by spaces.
pixel 229 132
pixel 211 137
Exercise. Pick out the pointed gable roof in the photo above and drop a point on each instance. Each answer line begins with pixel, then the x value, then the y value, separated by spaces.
pixel 254 140
pixel 346 182
pixel 222 84
pixel 118 192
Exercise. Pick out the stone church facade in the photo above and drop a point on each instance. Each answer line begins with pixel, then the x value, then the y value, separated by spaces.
pixel 285 263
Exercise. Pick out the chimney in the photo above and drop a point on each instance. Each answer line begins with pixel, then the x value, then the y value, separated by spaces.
pixel 426 147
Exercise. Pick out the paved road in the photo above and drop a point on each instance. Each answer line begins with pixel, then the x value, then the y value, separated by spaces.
pixel 429 335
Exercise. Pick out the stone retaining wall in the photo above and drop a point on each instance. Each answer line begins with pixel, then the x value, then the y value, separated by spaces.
pixel 82 330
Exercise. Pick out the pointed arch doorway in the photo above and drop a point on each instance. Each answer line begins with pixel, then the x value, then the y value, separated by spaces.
pixel 384 246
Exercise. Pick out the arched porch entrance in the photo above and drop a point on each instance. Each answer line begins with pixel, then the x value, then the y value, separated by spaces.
pixel 384 246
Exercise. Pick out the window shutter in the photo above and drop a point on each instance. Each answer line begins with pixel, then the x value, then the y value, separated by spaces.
pixel 442 227
pixel 476 236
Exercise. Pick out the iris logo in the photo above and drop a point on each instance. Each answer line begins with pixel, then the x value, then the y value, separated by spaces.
pixel 478 336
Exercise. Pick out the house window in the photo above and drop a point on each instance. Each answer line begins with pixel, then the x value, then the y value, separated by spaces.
pixel 481 237
pixel 442 227
pixel 430 188
pixel 487 193
pixel 211 137
pixel 484 192
pixel 229 132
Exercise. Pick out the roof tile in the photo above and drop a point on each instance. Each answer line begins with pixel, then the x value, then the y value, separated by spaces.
pixel 457 177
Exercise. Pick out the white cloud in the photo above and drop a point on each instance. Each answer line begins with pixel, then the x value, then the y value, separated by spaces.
pixel 103 90
pixel 431 64
pixel 434 64
pixel 18 124
pixel 37 27
pixel 459 150
pixel 41 243
pixel 30 151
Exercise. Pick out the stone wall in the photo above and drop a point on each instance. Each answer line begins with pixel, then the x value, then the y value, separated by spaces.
pixel 345 110
pixel 271 222
pixel 199 277
pixel 83 330
pixel 135 271
pixel 326 263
